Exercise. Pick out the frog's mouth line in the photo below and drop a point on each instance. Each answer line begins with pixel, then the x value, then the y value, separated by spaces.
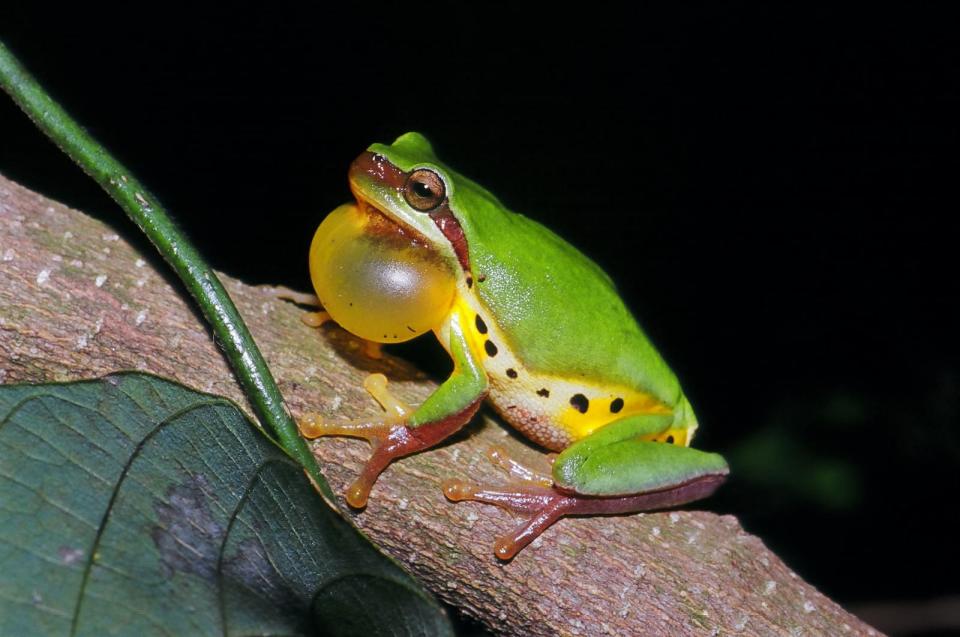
pixel 376 168
pixel 382 225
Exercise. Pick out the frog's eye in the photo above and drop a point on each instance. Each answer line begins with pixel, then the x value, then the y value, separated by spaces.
pixel 424 190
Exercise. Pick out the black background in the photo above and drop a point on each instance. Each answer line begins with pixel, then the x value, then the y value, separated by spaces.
pixel 773 189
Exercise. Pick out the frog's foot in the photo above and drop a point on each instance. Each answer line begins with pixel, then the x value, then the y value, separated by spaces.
pixel 391 438
pixel 546 503
pixel 529 492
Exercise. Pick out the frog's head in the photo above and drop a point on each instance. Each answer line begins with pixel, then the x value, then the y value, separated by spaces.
pixel 386 268
pixel 407 184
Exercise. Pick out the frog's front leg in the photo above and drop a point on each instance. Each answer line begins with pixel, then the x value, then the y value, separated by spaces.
pixel 407 431
pixel 615 470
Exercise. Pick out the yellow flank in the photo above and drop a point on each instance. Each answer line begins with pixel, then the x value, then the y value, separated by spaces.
pixel 550 410
pixel 680 437
pixel 467 316
pixel 582 424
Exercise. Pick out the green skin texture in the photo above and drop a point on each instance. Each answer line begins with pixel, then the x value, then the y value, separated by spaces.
pixel 562 316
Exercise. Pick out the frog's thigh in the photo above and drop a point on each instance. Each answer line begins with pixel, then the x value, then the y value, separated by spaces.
pixel 616 461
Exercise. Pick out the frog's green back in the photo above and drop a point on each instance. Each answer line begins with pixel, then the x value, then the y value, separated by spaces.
pixel 561 312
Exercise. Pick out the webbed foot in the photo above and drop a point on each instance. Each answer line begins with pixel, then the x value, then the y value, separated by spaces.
pixel 390 438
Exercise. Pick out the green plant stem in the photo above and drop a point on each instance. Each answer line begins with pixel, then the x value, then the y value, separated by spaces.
pixel 199 279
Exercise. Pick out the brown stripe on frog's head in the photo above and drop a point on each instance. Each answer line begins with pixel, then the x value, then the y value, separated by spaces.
pixel 416 200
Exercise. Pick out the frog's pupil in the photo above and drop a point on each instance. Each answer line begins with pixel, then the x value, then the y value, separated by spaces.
pixel 422 189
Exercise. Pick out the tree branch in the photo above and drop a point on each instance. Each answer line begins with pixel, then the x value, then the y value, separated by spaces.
pixel 77 301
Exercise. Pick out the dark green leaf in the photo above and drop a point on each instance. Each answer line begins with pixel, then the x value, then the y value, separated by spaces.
pixel 134 506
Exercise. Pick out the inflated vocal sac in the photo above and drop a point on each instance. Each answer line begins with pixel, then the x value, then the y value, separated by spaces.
pixel 375 279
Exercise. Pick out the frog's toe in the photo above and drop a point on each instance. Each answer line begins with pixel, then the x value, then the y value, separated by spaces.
pixel 528 491
pixel 300 298
pixel 506 546
pixel 390 440
pixel 390 436
pixel 311 425
pixel 315 319
pixel 315 426
pixel 520 498
pixel 359 491
pixel 376 386
pixel 502 459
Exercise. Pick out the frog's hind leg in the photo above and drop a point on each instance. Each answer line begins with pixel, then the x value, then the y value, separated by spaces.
pixel 549 505
pixel 545 505
pixel 635 474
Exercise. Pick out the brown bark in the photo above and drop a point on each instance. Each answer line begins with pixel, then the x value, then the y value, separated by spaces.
pixel 77 301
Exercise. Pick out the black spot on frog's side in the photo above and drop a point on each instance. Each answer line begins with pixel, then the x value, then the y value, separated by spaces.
pixel 481 325
pixel 543 392
pixel 490 348
pixel 511 372
pixel 616 405
pixel 580 403
pixel 670 439
pixel 469 281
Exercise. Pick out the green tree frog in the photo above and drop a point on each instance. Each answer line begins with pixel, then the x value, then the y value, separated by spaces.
pixel 532 325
